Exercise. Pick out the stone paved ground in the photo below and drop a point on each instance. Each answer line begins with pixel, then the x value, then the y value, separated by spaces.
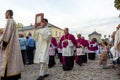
pixel 90 71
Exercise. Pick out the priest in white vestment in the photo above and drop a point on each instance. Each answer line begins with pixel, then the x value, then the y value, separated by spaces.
pixel 43 44
pixel 115 50
pixel 11 64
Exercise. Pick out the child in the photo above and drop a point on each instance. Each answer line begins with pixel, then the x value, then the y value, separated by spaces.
pixel 51 52
pixel 104 55
pixel 60 52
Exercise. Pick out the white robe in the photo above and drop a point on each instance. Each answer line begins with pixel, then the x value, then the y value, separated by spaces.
pixel 80 51
pixel 69 50
pixel 115 53
pixel 43 45
pixel 52 50
pixel 117 41
pixel 11 56
pixel 116 48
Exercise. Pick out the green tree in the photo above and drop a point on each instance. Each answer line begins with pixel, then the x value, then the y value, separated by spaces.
pixel 19 25
pixel 117 4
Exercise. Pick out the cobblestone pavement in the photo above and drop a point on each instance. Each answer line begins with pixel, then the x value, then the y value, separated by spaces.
pixel 89 71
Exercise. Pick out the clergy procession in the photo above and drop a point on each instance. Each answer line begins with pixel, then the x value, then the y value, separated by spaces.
pixel 18 51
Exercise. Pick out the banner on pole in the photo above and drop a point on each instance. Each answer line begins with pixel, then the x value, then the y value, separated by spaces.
pixel 38 19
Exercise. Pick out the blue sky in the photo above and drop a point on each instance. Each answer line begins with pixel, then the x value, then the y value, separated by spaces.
pixel 81 16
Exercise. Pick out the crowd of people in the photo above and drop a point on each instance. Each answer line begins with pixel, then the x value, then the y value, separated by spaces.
pixel 18 50
pixel 27 45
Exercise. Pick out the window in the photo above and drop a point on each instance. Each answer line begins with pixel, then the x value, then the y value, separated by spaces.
pixel 56 33
pixel 59 34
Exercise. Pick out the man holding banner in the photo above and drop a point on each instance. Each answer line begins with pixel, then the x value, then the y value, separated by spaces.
pixel 43 44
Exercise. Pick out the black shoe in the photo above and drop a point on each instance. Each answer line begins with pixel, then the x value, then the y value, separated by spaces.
pixel 31 62
pixel 40 78
pixel 68 69
pixel 85 62
pixel 80 64
pixel 46 75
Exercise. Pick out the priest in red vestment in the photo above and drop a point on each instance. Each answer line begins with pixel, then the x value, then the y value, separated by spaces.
pixel 68 44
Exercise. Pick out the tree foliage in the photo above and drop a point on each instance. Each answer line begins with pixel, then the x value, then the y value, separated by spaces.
pixel 19 25
pixel 117 4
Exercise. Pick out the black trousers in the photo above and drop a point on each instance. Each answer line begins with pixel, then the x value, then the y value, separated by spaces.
pixel 23 55
pixel 60 57
pixel 68 62
pixel 85 58
pixel 51 61
pixel 91 56
pixel 30 54
pixel 80 59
